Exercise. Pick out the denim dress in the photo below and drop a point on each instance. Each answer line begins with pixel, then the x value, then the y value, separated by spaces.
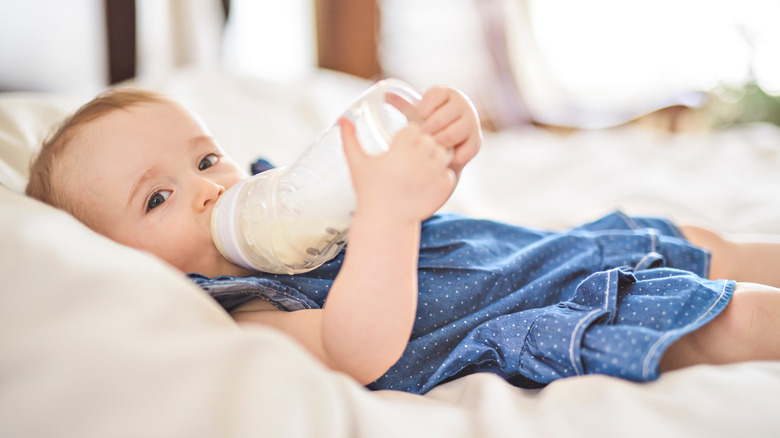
pixel 529 305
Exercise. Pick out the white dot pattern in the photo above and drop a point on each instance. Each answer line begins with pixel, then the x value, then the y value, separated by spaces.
pixel 532 306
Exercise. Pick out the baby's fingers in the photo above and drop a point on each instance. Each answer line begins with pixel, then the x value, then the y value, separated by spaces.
pixel 420 146
pixel 443 117
pixel 433 99
pixel 352 149
pixel 456 133
pixel 440 155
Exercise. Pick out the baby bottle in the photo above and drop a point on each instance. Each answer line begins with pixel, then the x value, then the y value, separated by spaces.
pixel 293 219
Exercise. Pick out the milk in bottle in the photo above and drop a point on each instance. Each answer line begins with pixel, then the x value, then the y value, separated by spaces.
pixel 293 219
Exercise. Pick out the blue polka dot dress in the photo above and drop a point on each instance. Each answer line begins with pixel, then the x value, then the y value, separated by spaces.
pixel 529 305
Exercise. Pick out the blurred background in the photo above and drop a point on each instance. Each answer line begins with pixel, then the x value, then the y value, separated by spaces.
pixel 677 64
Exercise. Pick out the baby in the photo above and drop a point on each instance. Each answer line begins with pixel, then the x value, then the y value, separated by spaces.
pixel 417 299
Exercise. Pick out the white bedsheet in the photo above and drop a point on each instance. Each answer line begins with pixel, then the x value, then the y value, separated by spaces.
pixel 100 340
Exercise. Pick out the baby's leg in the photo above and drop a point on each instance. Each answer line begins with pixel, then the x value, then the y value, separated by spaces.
pixel 749 258
pixel 746 330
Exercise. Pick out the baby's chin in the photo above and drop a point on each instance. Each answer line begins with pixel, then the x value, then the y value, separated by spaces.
pixel 226 267
pixel 215 265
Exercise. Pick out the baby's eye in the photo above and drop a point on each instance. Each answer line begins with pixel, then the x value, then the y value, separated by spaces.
pixel 208 161
pixel 157 199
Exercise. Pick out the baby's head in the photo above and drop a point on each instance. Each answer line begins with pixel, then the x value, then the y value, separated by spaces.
pixel 143 171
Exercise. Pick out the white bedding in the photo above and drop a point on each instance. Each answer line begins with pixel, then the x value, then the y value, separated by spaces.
pixel 101 340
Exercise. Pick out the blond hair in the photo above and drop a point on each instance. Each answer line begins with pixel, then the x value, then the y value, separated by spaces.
pixel 41 184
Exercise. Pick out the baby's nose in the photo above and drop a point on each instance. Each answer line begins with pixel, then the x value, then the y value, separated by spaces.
pixel 208 194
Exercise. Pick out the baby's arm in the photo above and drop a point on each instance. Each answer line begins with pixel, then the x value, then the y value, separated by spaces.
pixel 368 316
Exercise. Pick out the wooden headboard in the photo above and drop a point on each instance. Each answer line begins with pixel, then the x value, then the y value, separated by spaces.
pixel 120 24
pixel 347 34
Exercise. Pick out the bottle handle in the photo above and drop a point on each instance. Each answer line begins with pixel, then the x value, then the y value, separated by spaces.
pixel 400 95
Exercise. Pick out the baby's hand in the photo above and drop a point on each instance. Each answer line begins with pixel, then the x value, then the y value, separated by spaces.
pixel 449 116
pixel 410 181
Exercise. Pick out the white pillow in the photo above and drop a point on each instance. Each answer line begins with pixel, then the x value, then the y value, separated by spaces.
pixel 98 339
pixel 25 120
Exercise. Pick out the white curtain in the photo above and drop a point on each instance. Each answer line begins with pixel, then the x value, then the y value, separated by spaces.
pixel 177 33
pixel 603 62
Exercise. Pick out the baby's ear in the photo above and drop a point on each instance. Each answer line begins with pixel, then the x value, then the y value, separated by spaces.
pixel 261 165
